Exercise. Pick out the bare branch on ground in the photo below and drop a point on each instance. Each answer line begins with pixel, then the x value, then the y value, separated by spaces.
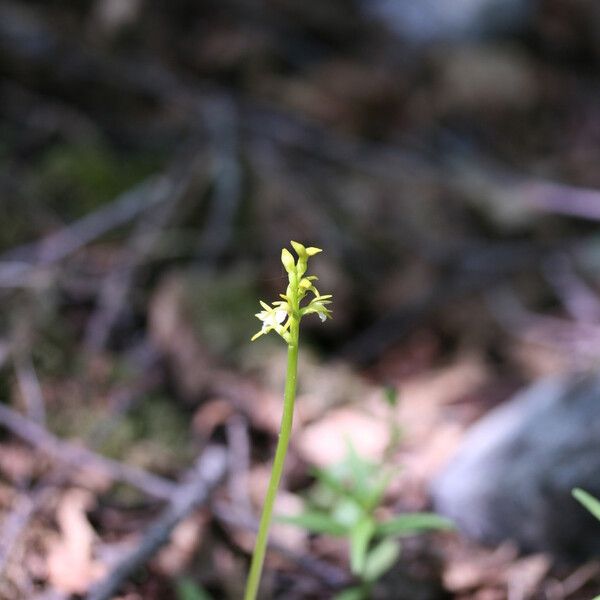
pixel 204 477
pixel 80 457
pixel 19 265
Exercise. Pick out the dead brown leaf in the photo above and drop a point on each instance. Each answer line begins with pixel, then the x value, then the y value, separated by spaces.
pixel 523 577
pixel 70 563
pixel 325 442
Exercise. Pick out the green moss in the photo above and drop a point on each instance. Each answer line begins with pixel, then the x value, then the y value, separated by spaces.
pixel 77 179
pixel 65 182
pixel 155 435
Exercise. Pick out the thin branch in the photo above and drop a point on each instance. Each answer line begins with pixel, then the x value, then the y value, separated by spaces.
pixel 27 504
pixel 206 475
pixel 221 117
pixel 17 266
pixel 117 286
pixel 78 456
pixel 564 199
pixel 238 441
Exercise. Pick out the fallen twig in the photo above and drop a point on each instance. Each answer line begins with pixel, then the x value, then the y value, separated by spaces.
pixel 17 520
pixel 222 120
pixel 78 456
pixel 208 472
pixel 238 440
pixel 17 266
pixel 117 285
pixel 564 199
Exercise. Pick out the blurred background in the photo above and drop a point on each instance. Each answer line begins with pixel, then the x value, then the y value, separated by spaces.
pixel 154 159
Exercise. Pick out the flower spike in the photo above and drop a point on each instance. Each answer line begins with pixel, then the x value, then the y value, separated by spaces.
pixel 279 315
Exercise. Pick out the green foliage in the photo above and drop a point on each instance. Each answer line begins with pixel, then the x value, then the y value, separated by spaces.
pixel 591 503
pixel 380 559
pixel 76 179
pixel 413 523
pixel 317 522
pixel 188 590
pixel 343 503
pixel 391 396
pixel 153 435
pixel 353 593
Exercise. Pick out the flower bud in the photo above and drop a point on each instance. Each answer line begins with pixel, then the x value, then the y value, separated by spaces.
pixel 288 260
pixel 300 249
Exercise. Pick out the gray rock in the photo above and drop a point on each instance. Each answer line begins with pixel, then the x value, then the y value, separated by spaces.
pixel 512 476
pixel 451 20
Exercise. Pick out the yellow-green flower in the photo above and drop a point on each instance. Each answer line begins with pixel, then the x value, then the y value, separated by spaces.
pixel 272 318
pixel 278 316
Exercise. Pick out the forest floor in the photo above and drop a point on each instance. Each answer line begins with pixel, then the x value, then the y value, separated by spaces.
pixel 154 162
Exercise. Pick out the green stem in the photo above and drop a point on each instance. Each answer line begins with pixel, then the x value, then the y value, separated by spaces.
pixel 260 547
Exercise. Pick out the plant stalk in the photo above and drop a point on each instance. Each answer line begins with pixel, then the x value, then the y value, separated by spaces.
pixel 260 547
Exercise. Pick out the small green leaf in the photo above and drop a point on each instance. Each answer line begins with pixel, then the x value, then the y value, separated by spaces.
pixel 360 538
pixel 330 479
pixel 361 470
pixel 591 503
pixel 288 260
pixel 299 248
pixel 334 480
pixel 348 512
pixel 188 590
pixel 354 593
pixel 413 523
pixel 306 283
pixel 391 395
pixel 380 559
pixel 314 521
pixel 376 493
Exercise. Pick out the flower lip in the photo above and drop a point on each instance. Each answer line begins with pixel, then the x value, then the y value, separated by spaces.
pixel 280 315
pixel 272 317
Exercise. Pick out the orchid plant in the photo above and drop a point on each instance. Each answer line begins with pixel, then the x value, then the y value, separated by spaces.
pixel 283 316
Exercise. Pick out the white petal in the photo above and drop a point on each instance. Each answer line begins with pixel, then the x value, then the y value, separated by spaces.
pixel 322 317
pixel 280 316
